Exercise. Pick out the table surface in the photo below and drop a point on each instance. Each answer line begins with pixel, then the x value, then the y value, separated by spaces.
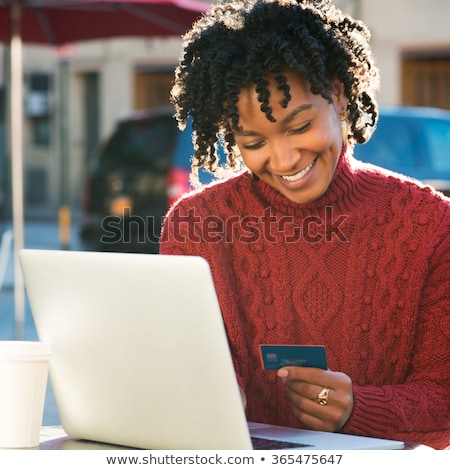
pixel 55 438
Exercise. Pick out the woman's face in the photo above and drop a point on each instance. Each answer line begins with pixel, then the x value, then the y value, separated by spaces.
pixel 297 154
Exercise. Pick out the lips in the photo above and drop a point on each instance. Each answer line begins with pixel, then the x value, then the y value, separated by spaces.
pixel 298 176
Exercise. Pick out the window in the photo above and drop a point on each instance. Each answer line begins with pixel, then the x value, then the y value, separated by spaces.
pixel 426 81
pixel 152 88
pixel 37 108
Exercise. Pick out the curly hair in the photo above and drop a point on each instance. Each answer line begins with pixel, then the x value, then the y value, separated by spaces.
pixel 240 43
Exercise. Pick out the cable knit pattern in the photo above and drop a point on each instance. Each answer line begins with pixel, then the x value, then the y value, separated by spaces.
pixel 364 270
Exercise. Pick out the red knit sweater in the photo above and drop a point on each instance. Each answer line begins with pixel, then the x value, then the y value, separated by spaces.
pixel 363 270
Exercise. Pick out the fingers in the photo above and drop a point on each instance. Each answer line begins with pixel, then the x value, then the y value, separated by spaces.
pixel 322 400
pixel 310 382
pixel 310 375
pixel 320 418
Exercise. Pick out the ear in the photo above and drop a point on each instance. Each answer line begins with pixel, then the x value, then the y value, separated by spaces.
pixel 339 97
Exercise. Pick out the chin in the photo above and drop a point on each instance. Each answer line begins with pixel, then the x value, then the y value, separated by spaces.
pixel 307 196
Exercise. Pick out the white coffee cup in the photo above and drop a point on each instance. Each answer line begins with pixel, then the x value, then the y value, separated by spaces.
pixel 23 385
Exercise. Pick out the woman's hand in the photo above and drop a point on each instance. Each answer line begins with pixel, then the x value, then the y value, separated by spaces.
pixel 304 384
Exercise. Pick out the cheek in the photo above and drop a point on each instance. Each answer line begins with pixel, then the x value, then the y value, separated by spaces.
pixel 328 135
pixel 253 160
pixel 335 128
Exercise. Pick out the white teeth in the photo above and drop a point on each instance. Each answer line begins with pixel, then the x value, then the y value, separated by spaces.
pixel 300 174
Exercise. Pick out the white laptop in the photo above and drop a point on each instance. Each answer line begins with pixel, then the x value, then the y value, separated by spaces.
pixel 140 356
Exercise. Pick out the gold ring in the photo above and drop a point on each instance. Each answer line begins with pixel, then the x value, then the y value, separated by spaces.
pixel 322 398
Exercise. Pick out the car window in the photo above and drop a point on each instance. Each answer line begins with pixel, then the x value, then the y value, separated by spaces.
pixel 137 143
pixel 394 145
pixel 437 134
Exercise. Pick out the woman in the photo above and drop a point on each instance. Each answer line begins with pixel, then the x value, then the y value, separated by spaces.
pixel 306 244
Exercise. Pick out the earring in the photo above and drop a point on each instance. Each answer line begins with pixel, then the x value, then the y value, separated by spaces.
pixel 343 118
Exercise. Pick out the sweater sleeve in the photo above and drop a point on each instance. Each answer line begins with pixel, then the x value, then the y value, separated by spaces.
pixel 417 410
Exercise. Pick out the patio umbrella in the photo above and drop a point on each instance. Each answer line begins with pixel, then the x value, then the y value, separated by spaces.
pixel 62 21
pixel 56 22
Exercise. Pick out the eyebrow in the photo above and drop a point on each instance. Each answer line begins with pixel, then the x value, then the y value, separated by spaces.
pixel 295 112
pixel 286 120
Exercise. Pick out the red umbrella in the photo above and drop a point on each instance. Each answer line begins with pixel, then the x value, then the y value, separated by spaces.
pixel 62 21
pixel 56 22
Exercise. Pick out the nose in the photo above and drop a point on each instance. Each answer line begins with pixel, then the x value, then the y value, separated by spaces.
pixel 283 157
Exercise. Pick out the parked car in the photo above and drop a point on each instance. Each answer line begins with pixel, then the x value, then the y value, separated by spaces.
pixel 414 141
pixel 135 175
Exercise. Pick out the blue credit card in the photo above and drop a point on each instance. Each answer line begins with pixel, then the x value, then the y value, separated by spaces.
pixel 276 356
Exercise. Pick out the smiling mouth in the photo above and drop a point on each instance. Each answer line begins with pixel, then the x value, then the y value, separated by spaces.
pixel 300 174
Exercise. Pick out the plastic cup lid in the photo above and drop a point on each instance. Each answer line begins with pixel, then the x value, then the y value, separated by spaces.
pixel 24 350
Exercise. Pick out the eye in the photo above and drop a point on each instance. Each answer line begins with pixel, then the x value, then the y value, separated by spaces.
pixel 301 129
pixel 254 146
